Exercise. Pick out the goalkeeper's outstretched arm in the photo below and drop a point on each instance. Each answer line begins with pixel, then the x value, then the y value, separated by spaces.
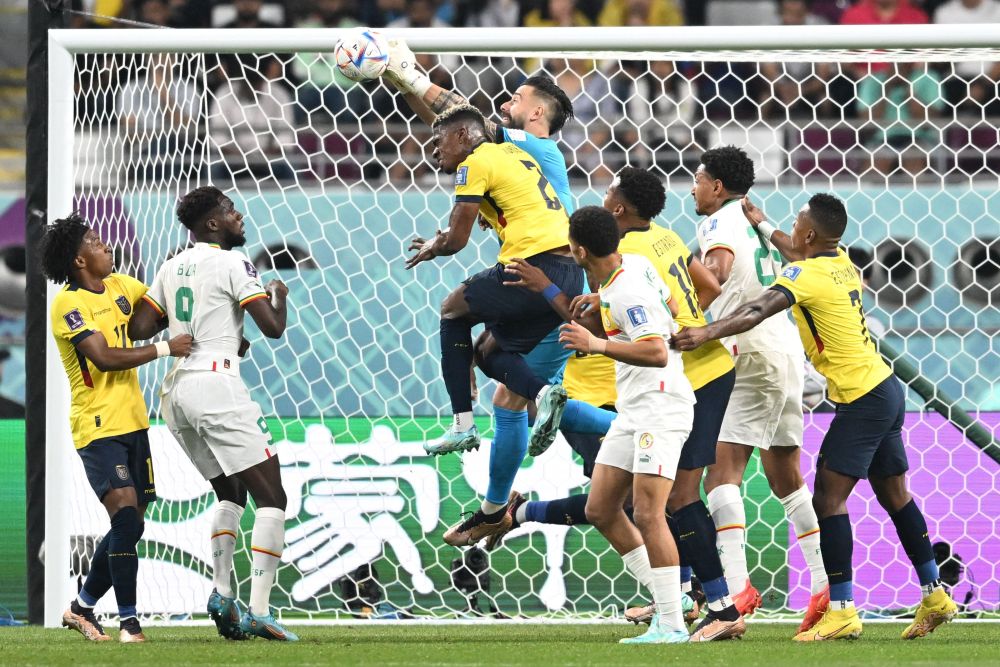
pixel 426 98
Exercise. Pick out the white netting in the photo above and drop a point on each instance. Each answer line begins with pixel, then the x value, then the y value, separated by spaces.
pixel 336 178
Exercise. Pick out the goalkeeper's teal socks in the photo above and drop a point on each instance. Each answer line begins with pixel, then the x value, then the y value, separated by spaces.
pixel 580 417
pixel 510 444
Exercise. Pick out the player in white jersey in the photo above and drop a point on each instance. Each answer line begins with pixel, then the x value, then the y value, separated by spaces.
pixel 765 409
pixel 639 455
pixel 203 291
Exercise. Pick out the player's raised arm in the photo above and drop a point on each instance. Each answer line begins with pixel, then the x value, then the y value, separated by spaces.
pixel 270 314
pixel 650 351
pixel 427 99
pixel 742 319
pixel 778 238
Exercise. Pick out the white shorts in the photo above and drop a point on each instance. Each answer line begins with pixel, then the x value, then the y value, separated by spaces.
pixel 765 408
pixel 647 437
pixel 216 423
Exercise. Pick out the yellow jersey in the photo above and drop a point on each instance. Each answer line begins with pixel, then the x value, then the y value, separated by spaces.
pixel 515 198
pixel 670 257
pixel 103 403
pixel 825 293
pixel 591 379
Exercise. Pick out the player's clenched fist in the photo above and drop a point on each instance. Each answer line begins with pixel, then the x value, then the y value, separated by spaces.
pixel 277 290
pixel 180 346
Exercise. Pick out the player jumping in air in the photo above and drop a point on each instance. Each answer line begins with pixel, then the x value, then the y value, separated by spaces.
pixel 639 455
pixel 204 291
pixel 765 408
pixel 537 110
pixel 823 289
pixel 505 185
pixel 634 198
pixel 108 416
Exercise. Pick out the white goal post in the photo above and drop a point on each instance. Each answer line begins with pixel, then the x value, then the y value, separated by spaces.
pixel 914 261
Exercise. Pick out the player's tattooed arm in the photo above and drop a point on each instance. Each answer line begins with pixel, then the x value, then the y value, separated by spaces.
pixel 742 319
pixel 440 100
pixel 778 238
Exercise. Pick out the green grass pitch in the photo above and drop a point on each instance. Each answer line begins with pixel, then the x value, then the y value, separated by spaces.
pixel 494 644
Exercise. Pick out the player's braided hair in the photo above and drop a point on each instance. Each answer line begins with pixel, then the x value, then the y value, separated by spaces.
pixel 195 206
pixel 595 229
pixel 643 190
pixel 732 166
pixel 460 113
pixel 559 104
pixel 829 214
pixel 60 245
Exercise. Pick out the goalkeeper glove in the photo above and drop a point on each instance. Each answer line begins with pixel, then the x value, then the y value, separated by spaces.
pixel 402 71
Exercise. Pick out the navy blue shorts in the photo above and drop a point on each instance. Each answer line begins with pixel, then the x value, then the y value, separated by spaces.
pixel 712 400
pixel 866 436
pixel 519 318
pixel 119 461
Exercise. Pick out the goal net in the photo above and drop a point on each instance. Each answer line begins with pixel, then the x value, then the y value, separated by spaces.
pixel 335 179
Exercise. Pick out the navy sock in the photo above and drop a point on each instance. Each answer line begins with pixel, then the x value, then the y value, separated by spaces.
pixel 580 417
pixel 122 559
pixel 675 531
pixel 513 371
pixel 99 578
pixel 456 359
pixel 697 539
pixel 836 542
pixel 912 530
pixel 570 511
pixel 510 444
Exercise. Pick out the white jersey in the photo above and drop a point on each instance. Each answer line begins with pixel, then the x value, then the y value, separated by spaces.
pixel 202 291
pixel 633 307
pixel 756 265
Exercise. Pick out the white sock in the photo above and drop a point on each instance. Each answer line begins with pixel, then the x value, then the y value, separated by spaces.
pixel 726 505
pixel 666 591
pixel 686 586
pixel 83 604
pixel 637 562
pixel 266 543
pixel 463 421
pixel 721 603
pixel 840 605
pixel 521 515
pixel 538 398
pixel 799 510
pixel 491 508
pixel 225 528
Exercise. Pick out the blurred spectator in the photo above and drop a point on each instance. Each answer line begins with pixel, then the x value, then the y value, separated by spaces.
pixel 421 14
pixel 155 12
pixel 593 108
pixel 660 114
pixel 867 12
pixel 640 13
pixel 830 10
pixel 488 13
pixel 556 13
pixel 157 109
pixel 902 102
pixel 741 12
pixel 795 86
pixel 250 121
pixel 248 15
pixel 972 85
pixel 377 13
pixel 325 91
pixel 190 13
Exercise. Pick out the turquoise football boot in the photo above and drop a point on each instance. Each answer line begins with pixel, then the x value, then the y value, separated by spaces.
pixel 658 634
pixel 266 627
pixel 454 441
pixel 550 406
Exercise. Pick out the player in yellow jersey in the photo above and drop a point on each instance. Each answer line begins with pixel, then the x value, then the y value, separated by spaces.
pixel 823 289
pixel 505 185
pixel 108 415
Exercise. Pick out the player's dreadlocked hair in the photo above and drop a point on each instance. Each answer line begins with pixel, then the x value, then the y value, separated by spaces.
pixel 643 190
pixel 730 165
pixel 194 207
pixel 460 113
pixel 559 104
pixel 829 214
pixel 595 229
pixel 60 246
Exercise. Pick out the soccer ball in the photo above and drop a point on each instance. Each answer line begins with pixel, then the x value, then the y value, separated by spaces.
pixel 362 54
